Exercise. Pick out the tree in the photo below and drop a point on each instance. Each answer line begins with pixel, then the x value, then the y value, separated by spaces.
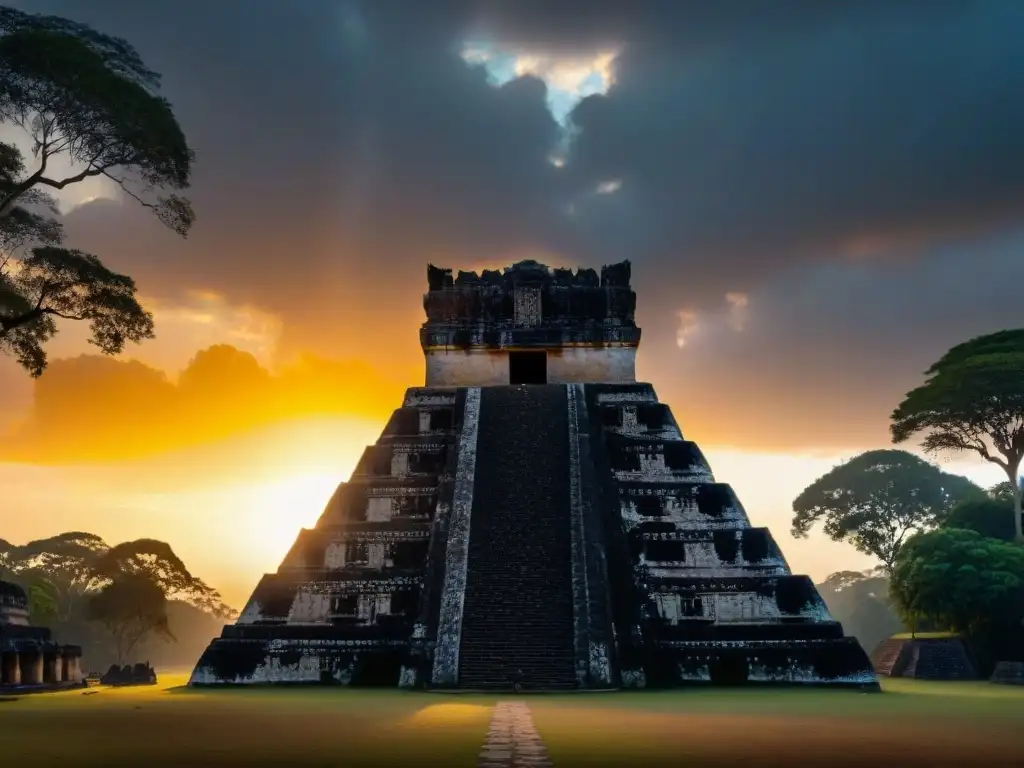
pixel 961 580
pixel 79 564
pixel 64 560
pixel 43 601
pixel 156 561
pixel 88 97
pixel 1002 492
pixel 989 517
pixel 877 499
pixel 6 548
pixel 130 607
pixel 60 283
pixel 973 400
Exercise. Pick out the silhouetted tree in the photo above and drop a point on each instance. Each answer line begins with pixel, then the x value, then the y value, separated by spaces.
pixel 78 564
pixel 65 560
pixel 877 499
pixel 973 400
pixel 157 561
pixel 88 97
pixel 130 607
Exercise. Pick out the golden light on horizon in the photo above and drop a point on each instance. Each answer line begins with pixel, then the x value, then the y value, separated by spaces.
pixel 277 509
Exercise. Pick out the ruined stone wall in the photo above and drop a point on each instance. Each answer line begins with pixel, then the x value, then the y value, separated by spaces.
pixel 569 365
pixel 466 367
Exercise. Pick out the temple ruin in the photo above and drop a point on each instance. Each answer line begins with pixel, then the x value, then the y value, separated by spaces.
pixel 533 516
pixel 29 657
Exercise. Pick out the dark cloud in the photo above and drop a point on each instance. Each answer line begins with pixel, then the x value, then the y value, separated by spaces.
pixel 749 153
pixel 677 25
pixel 761 147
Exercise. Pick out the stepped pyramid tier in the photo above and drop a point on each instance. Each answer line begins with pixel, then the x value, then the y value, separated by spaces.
pixel 533 516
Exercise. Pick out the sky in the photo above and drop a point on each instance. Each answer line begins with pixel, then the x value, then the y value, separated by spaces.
pixel 818 200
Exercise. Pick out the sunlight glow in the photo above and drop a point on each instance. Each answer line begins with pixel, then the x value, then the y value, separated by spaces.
pixel 277 509
pixel 449 714
pixel 569 79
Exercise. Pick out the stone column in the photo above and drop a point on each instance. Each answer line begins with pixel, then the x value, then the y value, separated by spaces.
pixel 72 668
pixel 31 668
pixel 10 671
pixel 51 667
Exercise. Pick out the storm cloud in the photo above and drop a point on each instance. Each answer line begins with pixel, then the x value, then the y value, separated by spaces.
pixel 851 174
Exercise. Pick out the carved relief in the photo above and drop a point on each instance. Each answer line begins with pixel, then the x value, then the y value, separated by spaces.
pixel 530 304
pixel 527 307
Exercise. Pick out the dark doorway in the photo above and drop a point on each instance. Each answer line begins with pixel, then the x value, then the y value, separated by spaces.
pixel 527 367
pixel 729 670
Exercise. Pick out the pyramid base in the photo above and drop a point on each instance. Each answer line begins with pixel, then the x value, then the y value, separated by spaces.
pixel 232 661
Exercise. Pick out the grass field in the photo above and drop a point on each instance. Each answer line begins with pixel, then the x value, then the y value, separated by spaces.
pixel 912 722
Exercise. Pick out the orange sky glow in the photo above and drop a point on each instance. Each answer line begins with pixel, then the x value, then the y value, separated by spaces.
pixel 228 459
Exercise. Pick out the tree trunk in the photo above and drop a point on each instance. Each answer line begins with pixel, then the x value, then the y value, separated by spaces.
pixel 1018 523
pixel 1018 514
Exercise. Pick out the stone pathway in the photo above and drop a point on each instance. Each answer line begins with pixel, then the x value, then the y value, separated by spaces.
pixel 513 741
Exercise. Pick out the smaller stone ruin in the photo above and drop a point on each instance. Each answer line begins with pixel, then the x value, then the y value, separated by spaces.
pixel 129 674
pixel 1009 673
pixel 30 659
pixel 924 658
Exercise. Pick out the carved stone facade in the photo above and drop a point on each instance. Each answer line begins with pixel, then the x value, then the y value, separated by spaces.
pixel 698 594
pixel 358 596
pixel 652 573
pixel 581 321
pixel 29 657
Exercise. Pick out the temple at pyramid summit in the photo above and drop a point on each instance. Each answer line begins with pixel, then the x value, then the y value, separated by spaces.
pixel 533 518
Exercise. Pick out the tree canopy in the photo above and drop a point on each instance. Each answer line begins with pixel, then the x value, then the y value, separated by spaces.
pixel 88 97
pixel 990 517
pixel 877 499
pixel 961 580
pixel 53 283
pixel 130 607
pixel 973 400
pixel 80 564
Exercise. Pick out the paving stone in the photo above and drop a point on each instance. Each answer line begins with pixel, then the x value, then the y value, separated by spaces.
pixel 523 750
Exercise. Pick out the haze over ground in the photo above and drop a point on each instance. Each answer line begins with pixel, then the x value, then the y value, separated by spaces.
pixel 818 200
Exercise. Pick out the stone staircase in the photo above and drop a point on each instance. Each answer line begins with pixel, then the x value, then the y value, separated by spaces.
pixel 517 620
pixel 886 657
pixel 940 660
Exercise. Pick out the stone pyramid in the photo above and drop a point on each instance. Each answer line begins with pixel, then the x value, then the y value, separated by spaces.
pixel 533 517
